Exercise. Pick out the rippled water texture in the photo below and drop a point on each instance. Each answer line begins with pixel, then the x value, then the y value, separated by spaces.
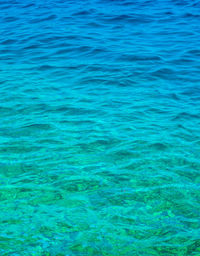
pixel 100 128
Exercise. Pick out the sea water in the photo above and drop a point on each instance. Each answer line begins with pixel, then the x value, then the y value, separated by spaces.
pixel 99 128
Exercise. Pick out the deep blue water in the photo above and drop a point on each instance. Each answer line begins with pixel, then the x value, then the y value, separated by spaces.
pixel 100 128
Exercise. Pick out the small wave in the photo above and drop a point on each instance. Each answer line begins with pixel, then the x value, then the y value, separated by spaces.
pixel 48 18
pixel 130 57
pixel 37 126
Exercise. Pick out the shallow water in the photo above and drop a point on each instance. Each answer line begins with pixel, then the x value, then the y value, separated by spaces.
pixel 100 128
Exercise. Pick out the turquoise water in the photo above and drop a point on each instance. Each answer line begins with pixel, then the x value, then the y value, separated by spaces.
pixel 100 128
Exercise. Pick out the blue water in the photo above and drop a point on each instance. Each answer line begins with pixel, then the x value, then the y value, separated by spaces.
pixel 100 128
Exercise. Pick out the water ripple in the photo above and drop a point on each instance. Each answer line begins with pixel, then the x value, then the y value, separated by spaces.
pixel 99 130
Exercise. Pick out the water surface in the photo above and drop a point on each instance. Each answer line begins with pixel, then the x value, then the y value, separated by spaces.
pixel 100 128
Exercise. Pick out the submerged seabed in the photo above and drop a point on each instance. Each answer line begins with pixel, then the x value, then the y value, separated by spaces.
pixel 100 128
